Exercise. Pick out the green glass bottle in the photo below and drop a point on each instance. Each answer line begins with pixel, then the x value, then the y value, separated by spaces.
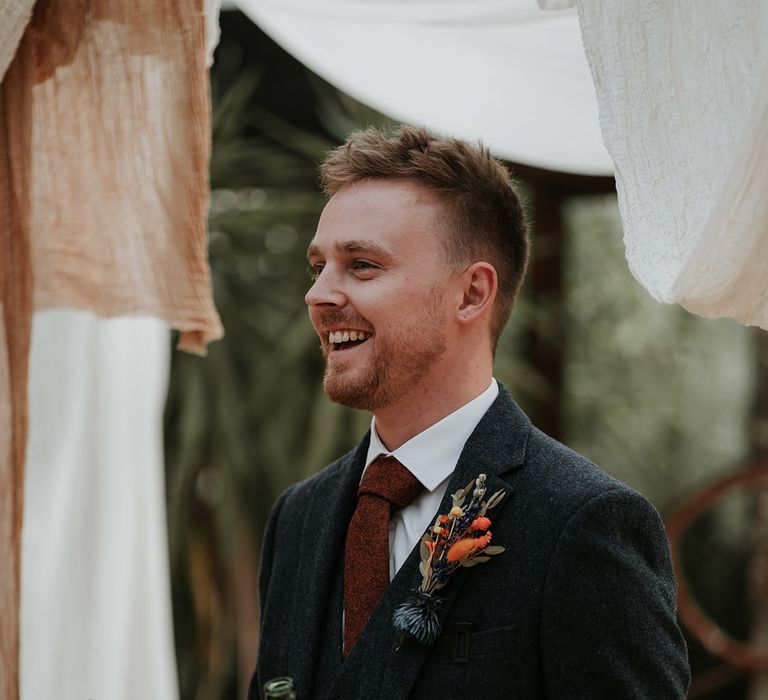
pixel 279 689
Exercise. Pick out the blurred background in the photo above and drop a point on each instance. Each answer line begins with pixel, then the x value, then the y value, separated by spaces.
pixel 666 401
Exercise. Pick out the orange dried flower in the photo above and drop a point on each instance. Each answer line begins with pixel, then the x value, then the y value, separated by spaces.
pixel 443 519
pixel 430 545
pixel 461 549
pixel 484 541
pixel 480 524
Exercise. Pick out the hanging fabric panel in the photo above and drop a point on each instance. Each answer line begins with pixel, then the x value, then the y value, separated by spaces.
pixel 104 145
pixel 683 94
pixel 500 70
pixel 96 598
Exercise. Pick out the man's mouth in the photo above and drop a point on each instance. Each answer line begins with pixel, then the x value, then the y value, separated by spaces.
pixel 342 340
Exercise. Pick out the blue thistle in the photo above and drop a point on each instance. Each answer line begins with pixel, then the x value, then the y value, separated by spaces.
pixel 419 618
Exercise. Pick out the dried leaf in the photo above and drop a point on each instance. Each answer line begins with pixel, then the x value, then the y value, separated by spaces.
pixel 423 551
pixel 494 500
pixel 494 549
pixel 475 560
pixel 460 496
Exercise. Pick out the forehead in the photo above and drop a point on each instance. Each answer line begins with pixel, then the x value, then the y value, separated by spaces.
pixel 384 213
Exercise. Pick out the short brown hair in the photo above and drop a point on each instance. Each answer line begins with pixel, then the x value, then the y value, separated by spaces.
pixel 482 209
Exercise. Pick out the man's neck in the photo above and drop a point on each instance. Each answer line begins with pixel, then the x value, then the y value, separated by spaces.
pixel 421 408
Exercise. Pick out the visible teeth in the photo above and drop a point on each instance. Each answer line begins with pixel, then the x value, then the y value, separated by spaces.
pixel 344 336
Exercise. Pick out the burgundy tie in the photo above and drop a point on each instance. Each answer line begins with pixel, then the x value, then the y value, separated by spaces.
pixel 387 486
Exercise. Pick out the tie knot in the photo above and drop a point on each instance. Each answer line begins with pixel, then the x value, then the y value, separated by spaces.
pixel 387 478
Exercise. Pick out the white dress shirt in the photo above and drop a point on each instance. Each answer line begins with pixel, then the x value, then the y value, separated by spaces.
pixel 431 456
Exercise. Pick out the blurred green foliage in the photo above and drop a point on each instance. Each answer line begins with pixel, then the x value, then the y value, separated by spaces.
pixel 657 396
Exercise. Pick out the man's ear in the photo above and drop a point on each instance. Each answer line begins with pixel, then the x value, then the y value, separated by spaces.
pixel 480 285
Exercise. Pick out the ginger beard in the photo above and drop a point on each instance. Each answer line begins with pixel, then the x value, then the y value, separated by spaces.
pixel 395 360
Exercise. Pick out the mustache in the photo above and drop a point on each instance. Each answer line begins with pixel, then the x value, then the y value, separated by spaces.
pixel 342 318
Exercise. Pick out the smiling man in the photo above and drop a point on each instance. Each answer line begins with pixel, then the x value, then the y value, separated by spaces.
pixel 417 261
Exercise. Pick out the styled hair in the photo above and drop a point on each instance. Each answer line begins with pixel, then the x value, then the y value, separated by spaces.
pixel 482 212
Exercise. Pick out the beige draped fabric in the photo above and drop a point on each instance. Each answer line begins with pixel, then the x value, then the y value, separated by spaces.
pixel 104 145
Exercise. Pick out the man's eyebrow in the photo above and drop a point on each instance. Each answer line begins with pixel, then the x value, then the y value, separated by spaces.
pixel 312 250
pixel 351 247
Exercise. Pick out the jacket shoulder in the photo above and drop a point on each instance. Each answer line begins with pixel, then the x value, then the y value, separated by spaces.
pixel 566 479
pixel 564 473
pixel 550 470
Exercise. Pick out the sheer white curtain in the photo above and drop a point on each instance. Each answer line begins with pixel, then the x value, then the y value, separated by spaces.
pixel 96 610
pixel 683 94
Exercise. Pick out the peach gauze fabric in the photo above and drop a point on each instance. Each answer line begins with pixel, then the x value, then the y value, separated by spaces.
pixel 104 146
pixel 118 159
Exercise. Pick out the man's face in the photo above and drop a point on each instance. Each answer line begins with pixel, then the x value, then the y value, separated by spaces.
pixel 380 275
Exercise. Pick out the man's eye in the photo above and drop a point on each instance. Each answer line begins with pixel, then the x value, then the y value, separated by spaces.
pixel 313 271
pixel 363 265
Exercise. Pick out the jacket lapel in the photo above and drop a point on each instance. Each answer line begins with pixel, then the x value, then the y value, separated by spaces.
pixel 318 611
pixel 376 667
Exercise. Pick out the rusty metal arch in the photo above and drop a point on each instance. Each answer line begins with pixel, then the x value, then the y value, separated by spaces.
pixel 737 653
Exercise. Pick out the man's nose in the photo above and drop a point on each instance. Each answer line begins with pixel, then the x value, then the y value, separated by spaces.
pixel 325 291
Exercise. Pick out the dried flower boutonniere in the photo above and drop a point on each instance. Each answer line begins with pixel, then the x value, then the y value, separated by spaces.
pixel 460 538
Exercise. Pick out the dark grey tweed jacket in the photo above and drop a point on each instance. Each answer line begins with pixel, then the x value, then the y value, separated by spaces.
pixel 581 604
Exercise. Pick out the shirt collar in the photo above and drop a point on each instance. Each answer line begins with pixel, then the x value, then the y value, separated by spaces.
pixel 431 456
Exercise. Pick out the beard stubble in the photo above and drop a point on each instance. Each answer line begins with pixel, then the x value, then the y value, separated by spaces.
pixel 397 363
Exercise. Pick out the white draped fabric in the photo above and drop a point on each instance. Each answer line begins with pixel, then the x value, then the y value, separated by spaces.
pixel 683 95
pixel 500 70
pixel 96 620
